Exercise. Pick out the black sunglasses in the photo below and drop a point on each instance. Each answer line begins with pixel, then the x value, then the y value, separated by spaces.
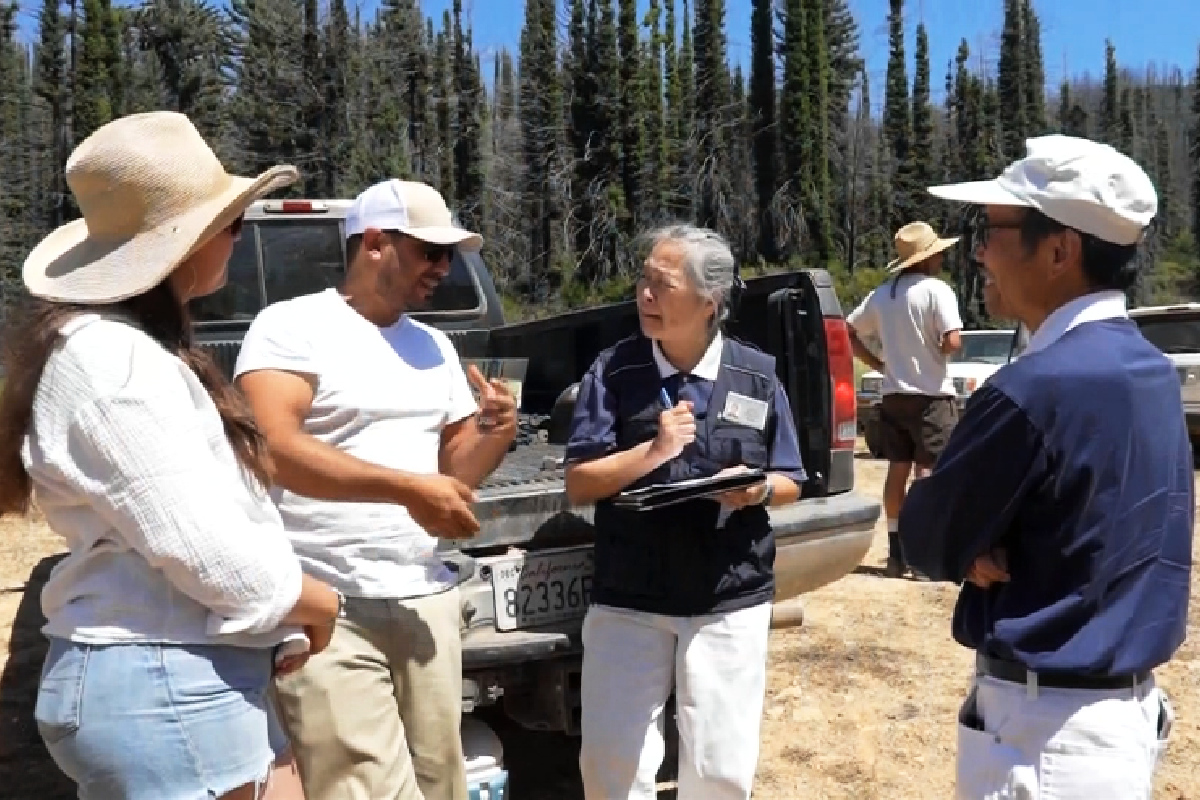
pixel 433 253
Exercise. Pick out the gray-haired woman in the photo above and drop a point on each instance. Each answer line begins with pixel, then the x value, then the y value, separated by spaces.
pixel 682 595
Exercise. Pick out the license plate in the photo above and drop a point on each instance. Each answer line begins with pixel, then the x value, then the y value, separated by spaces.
pixel 541 588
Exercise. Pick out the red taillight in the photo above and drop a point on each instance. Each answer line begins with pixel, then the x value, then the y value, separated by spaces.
pixel 294 206
pixel 844 412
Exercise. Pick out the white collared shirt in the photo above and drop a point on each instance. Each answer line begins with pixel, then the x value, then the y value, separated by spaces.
pixel 1108 304
pixel 707 368
pixel 171 539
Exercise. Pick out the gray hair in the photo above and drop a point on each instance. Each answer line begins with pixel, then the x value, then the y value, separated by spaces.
pixel 709 262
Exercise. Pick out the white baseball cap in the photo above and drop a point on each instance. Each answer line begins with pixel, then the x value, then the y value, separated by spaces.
pixel 1082 184
pixel 412 208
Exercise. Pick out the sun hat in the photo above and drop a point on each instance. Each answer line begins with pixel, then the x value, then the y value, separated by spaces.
pixel 1076 182
pixel 151 192
pixel 412 208
pixel 916 242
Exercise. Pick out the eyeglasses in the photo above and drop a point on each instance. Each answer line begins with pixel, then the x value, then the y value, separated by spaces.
pixel 977 225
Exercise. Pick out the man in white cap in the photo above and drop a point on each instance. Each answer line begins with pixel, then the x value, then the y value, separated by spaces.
pixel 915 317
pixel 1064 499
pixel 378 443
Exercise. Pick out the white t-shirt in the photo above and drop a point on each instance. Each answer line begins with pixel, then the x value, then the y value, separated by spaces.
pixel 910 327
pixel 383 395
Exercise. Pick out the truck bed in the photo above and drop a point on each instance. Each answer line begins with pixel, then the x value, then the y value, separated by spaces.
pixel 524 498
pixel 531 462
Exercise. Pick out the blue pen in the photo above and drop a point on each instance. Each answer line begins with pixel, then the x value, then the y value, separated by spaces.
pixel 665 398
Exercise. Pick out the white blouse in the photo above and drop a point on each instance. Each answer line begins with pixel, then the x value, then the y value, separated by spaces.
pixel 171 540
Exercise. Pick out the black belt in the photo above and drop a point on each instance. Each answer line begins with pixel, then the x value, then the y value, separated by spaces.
pixel 1013 672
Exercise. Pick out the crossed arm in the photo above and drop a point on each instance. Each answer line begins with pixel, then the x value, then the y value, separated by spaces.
pixel 956 518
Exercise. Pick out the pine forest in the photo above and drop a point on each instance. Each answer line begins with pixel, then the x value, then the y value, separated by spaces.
pixel 607 118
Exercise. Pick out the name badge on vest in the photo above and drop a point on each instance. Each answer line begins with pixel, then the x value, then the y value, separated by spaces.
pixel 742 410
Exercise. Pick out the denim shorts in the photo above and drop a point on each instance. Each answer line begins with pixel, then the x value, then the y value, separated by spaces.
pixel 170 722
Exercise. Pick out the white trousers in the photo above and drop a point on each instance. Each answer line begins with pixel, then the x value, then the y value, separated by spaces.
pixel 717 666
pixel 1017 742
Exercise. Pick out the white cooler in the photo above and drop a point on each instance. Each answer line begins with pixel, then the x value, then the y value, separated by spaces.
pixel 484 755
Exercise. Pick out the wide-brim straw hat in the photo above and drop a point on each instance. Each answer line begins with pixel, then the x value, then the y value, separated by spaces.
pixel 916 242
pixel 152 193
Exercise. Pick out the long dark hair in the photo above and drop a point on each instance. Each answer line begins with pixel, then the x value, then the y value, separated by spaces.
pixel 32 334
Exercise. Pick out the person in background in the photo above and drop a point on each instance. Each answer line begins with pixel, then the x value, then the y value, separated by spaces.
pixel 915 317
pixel 180 584
pixel 1064 501
pixel 682 595
pixel 379 444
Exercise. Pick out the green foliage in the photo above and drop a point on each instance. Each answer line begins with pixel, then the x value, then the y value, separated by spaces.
pixel 853 287
pixel 1176 275
pixel 897 120
pixel 922 131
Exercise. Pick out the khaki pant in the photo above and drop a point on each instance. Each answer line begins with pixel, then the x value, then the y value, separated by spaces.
pixel 375 716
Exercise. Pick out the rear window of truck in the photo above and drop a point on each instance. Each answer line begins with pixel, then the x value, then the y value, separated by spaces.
pixel 301 257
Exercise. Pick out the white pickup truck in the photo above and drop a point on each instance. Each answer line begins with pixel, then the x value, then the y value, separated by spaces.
pixel 983 352
pixel 1175 330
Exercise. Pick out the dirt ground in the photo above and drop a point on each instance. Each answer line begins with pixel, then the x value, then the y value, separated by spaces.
pixel 861 700
pixel 860 704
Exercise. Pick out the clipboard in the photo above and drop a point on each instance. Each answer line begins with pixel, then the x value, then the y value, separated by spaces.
pixel 661 495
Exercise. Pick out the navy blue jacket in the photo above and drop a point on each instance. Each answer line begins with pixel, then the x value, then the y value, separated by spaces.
pixel 1075 459
pixel 675 560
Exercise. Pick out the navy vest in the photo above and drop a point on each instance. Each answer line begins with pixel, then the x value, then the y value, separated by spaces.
pixel 675 561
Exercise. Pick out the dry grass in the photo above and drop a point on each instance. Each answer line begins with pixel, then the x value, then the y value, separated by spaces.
pixel 860 704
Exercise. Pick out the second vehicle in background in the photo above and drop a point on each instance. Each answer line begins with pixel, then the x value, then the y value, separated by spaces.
pixel 1175 330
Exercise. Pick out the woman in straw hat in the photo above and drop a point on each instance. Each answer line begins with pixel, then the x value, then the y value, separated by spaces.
pixel 180 594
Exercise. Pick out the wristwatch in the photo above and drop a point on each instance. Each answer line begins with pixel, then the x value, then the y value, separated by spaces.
pixel 768 494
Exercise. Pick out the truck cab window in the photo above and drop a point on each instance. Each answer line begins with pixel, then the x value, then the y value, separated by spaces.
pixel 457 292
pixel 303 256
pixel 300 257
pixel 240 298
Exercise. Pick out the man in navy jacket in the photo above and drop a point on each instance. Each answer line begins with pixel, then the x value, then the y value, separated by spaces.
pixel 1063 501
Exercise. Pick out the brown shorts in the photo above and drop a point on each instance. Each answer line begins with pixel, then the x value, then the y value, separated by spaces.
pixel 914 428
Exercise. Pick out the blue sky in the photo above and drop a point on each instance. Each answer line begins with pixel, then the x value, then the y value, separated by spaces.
pixel 1162 32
